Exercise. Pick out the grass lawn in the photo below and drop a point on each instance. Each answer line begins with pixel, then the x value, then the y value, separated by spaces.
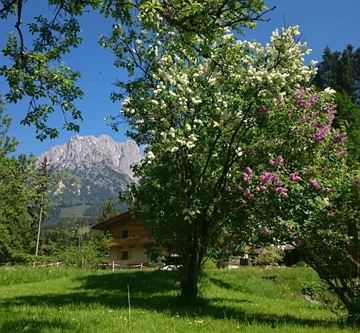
pixel 73 300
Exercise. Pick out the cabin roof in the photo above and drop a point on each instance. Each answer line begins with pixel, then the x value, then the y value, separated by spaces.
pixel 109 223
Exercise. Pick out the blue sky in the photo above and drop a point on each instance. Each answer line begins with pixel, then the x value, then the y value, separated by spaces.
pixel 322 23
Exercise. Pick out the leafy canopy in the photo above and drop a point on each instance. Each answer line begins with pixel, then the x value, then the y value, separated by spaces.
pixel 35 70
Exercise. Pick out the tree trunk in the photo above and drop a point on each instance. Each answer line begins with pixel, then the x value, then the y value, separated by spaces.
pixel 39 226
pixel 190 276
pixel 192 259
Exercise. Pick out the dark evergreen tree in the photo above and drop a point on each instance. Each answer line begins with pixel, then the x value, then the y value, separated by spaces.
pixel 341 71
pixel 108 209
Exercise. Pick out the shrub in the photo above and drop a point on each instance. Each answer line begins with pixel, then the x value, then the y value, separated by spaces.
pixel 269 256
pixel 84 256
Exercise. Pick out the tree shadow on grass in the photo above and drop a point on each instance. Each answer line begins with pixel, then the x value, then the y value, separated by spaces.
pixel 156 291
pixel 221 283
pixel 33 325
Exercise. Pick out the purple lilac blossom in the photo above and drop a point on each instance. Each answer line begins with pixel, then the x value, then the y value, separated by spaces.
pixel 247 194
pixel 278 183
pixel 305 101
pixel 279 160
pixel 265 177
pixel 321 133
pixel 295 177
pixel 299 97
pixel 247 175
pixel 275 177
pixel 248 171
pixel 260 188
pixel 313 99
pixel 282 192
pixel 315 184
pixel 330 112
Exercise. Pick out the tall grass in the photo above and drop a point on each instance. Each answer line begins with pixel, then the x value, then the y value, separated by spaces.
pixel 14 275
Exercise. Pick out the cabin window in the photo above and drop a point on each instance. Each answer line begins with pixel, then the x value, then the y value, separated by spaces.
pixel 125 234
pixel 124 255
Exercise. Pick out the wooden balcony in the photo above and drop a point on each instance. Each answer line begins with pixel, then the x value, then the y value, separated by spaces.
pixel 131 240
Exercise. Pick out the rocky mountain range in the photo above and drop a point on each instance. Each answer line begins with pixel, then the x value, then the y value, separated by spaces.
pixel 87 171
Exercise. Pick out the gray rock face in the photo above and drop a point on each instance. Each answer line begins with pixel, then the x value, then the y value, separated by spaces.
pixel 95 170
pixel 88 152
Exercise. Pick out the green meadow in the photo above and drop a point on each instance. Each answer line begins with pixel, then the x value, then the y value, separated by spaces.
pixel 60 299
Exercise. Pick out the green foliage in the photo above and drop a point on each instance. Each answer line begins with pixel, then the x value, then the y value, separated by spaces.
pixel 347 118
pixel 16 195
pixel 324 225
pixel 313 289
pixel 76 246
pixel 35 70
pixel 269 256
pixel 23 191
pixel 5 243
pixel 209 264
pixel 83 256
pixel 7 144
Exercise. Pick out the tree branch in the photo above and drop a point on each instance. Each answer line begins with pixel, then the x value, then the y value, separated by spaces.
pixel 210 154
pixel 7 8
pixel 17 26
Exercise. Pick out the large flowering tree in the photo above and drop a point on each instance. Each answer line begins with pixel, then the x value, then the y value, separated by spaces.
pixel 212 118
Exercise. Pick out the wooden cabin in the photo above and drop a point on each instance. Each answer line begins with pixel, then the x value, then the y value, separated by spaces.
pixel 129 239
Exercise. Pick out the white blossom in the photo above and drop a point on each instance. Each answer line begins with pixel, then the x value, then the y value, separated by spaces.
pixel 238 152
pixel 196 100
pixel 126 101
pixel 172 132
pixel 187 127
pixel 212 80
pixel 150 155
pixel 193 138
pixel 329 91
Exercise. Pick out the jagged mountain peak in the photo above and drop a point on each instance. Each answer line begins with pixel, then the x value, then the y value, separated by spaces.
pixel 101 165
pixel 83 152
